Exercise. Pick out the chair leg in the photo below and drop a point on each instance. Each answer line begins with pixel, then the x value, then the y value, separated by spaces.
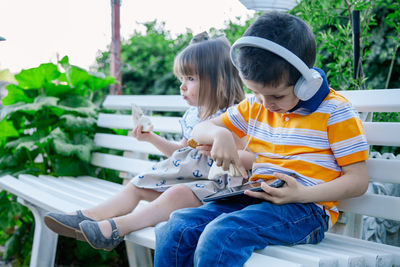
pixel 138 256
pixel 44 245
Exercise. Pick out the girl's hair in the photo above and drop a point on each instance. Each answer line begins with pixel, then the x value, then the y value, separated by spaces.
pixel 220 84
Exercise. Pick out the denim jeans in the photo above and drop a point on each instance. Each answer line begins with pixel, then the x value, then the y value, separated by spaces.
pixel 225 233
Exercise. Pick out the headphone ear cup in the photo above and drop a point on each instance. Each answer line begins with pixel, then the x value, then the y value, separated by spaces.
pixel 300 88
pixel 304 89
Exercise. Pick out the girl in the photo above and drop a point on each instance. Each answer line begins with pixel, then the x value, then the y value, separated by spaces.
pixel 210 84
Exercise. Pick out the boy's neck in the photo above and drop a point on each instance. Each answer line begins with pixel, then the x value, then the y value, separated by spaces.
pixel 314 102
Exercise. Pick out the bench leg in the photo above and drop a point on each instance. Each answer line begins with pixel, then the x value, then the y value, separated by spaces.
pixel 138 256
pixel 44 245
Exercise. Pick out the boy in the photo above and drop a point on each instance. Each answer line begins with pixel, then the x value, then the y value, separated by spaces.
pixel 303 133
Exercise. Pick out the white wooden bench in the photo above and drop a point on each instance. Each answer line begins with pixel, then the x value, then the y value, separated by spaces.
pixel 64 194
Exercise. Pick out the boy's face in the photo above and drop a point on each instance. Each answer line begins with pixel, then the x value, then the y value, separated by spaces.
pixel 278 99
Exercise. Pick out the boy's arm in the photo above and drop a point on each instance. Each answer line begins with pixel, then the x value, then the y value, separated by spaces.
pixel 352 183
pixel 223 151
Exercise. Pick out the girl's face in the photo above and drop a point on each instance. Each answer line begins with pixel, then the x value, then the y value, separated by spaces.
pixel 278 99
pixel 190 86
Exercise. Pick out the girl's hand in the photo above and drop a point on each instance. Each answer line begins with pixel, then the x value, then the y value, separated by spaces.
pixel 204 149
pixel 291 192
pixel 141 136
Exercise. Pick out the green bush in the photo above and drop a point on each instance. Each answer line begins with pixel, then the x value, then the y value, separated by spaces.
pixel 47 127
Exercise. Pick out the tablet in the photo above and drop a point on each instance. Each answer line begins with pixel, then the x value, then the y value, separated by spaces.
pixel 239 190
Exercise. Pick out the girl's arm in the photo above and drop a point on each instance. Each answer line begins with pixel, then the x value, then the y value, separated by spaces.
pixel 352 183
pixel 165 146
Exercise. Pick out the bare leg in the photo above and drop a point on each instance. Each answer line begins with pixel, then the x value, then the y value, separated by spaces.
pixel 121 203
pixel 176 197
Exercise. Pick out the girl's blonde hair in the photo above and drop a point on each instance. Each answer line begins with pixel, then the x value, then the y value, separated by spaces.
pixel 220 84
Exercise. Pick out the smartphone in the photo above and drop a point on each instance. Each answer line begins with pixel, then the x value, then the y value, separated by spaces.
pixel 239 190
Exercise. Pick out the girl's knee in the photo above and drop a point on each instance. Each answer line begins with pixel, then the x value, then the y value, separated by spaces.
pixel 182 193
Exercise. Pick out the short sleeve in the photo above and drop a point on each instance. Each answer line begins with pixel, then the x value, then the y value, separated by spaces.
pixel 188 121
pixel 346 135
pixel 236 118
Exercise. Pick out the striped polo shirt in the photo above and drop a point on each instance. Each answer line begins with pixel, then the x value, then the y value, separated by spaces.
pixel 311 146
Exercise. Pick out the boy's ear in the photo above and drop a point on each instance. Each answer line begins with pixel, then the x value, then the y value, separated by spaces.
pixel 309 82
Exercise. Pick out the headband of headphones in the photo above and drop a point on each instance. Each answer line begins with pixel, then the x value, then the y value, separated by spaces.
pixel 311 80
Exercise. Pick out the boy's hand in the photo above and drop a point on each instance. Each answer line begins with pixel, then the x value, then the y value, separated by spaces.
pixel 140 135
pixel 224 153
pixel 289 193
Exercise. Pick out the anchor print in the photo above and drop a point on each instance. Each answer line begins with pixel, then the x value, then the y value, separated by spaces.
pixel 197 174
pixel 195 155
pixel 210 162
pixel 163 182
pixel 176 163
pixel 199 185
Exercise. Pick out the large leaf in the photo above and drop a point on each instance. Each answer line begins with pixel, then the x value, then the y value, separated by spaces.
pixel 95 82
pixel 63 146
pixel 68 166
pixel 35 78
pixel 57 90
pixel 75 76
pixel 30 108
pixel 15 95
pixel 30 142
pixel 7 130
pixel 74 123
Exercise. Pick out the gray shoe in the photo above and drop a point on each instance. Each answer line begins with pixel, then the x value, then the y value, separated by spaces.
pixel 66 224
pixel 91 231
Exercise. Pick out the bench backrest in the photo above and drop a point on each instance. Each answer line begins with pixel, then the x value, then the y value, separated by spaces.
pixel 382 168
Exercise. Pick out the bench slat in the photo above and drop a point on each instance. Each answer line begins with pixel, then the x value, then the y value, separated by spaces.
pixel 344 256
pixel 349 241
pixel 125 143
pixel 118 121
pixel 36 196
pixel 375 205
pixel 384 170
pixel 120 163
pixel 298 255
pixel 97 193
pixel 99 182
pixel 260 260
pixel 60 190
pixel 378 100
pixel 146 102
pixel 382 133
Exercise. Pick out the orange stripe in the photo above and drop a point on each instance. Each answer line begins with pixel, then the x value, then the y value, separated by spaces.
pixel 230 126
pixel 353 158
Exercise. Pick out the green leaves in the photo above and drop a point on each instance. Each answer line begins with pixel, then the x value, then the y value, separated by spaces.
pixel 49 120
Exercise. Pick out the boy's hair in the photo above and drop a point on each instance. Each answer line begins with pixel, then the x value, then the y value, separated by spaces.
pixel 262 66
pixel 220 84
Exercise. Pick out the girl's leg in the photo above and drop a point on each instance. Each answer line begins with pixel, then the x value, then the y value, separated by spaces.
pixel 176 197
pixel 231 238
pixel 121 203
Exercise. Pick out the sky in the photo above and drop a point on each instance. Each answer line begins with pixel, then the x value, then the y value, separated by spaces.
pixel 40 31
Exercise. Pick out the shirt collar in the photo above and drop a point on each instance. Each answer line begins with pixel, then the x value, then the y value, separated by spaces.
pixel 314 102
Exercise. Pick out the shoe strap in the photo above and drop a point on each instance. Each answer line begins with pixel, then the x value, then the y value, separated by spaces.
pixel 80 215
pixel 114 233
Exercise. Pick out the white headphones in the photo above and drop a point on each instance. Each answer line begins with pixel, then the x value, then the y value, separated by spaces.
pixel 307 85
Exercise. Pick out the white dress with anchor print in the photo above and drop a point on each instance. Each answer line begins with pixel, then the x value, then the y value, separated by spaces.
pixel 185 166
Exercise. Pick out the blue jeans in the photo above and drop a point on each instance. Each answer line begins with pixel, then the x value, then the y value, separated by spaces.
pixel 225 233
